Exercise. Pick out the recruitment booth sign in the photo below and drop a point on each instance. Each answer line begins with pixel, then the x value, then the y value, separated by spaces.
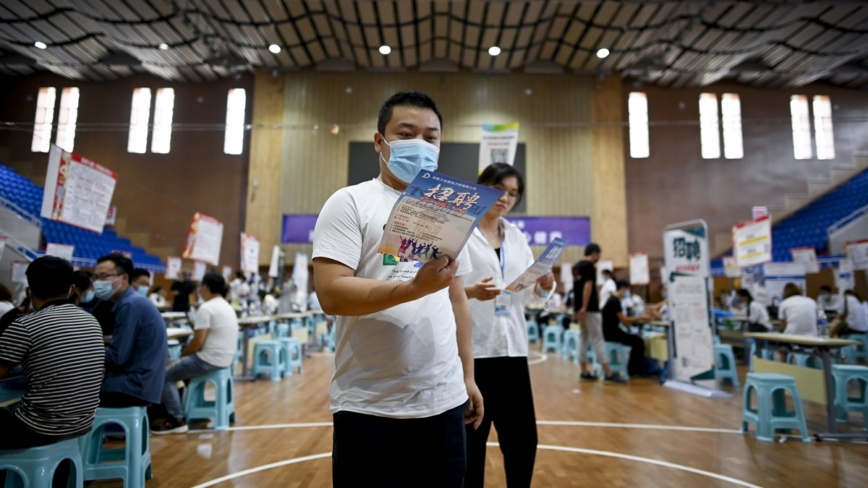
pixel 204 239
pixel 498 144
pixel 78 191
pixel 752 242
pixel 249 253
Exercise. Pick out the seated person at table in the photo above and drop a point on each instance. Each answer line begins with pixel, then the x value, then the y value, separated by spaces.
pixel 851 317
pixel 212 347
pixel 757 315
pixel 827 300
pixel 136 357
pixel 61 350
pixel 613 316
pixel 140 280
pixel 798 313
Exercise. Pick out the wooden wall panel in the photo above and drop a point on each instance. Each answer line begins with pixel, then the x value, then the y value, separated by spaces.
pixel 610 201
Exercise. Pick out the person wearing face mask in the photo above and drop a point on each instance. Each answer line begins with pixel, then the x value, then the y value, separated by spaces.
pixel 140 281
pixel 613 317
pixel 84 298
pixel 61 350
pixel 757 315
pixel 499 254
pixel 136 357
pixel 404 359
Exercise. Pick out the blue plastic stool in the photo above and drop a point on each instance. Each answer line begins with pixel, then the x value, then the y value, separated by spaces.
pixel 844 404
pixel 132 463
pixel 766 354
pixel 269 357
pixel 532 332
pixel 861 350
pixel 571 345
pixel 36 465
pixel 281 330
pixel 724 363
pixel 771 410
pixel 174 350
pixel 847 355
pixel 293 354
pixel 222 409
pixel 552 335
pixel 804 360
pixel 239 351
pixel 617 354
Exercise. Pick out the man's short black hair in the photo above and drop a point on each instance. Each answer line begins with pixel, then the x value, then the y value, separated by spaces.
pixel 622 284
pixel 123 264
pixel 82 279
pixel 409 98
pixel 826 288
pixel 592 249
pixel 495 173
pixel 215 282
pixel 49 277
pixel 139 272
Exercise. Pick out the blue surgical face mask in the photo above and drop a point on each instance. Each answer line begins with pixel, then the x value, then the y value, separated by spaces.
pixel 407 157
pixel 626 294
pixel 142 290
pixel 88 297
pixel 103 289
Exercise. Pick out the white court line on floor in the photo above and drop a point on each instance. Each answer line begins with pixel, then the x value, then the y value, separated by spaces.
pixel 282 426
pixel 495 444
pixel 540 357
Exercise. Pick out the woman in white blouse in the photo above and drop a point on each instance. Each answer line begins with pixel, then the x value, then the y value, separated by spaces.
pixel 499 253
pixel 757 315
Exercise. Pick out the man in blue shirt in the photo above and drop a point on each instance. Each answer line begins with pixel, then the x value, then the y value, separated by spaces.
pixel 135 360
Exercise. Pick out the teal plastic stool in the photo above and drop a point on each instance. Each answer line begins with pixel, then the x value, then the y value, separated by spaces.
pixel 293 354
pixel 532 332
pixel 571 345
pixel 724 363
pixel 844 404
pixel 618 355
pixel 281 330
pixel 847 355
pixel 804 360
pixel 861 350
pixel 772 413
pixel 269 357
pixel 329 339
pixel 35 466
pixel 174 350
pixel 239 351
pixel 222 409
pixel 132 463
pixel 766 354
pixel 552 336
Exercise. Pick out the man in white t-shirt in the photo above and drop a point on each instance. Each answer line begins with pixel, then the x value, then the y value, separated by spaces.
pixel 798 314
pixel 212 347
pixel 404 358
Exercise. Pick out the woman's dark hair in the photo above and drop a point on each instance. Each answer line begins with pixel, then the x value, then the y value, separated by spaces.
pixel 791 290
pixel 745 294
pixel 495 174
pixel 82 279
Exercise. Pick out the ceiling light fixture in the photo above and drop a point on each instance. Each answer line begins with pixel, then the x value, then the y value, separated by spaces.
pixel 384 49
pixel 603 53
pixel 274 48
pixel 40 45
pixel 163 46
pixel 494 50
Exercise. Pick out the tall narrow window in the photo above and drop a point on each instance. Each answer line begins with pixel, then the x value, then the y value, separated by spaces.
pixel 164 107
pixel 801 126
pixel 709 126
pixel 823 127
pixel 233 142
pixel 43 120
pixel 67 118
pixel 139 117
pixel 637 108
pixel 730 107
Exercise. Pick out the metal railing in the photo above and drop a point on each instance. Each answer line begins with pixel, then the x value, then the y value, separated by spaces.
pixel 24 214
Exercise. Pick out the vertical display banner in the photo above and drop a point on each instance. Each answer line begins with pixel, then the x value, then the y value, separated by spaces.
pixel 300 277
pixel 19 271
pixel 752 242
pixel 199 269
pixel 604 263
pixel 249 253
pixel 78 191
pixel 806 256
pixel 639 274
pixel 59 250
pixel 173 268
pixel 275 262
pixel 227 273
pixel 730 268
pixel 498 144
pixel 204 239
pixel 691 335
pixel 777 275
pixel 857 253
pixel 566 277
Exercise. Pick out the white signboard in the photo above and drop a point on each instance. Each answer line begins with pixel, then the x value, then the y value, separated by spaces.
pixel 199 269
pixel 498 145
pixel 60 250
pixel 806 256
pixel 300 277
pixel 845 278
pixel 204 239
pixel 688 310
pixel 249 254
pixel 752 242
pixel 601 265
pixel 730 268
pixel 78 191
pixel 567 277
pixel 776 277
pixel 857 253
pixel 112 216
pixel 759 212
pixel 2 245
pixel 639 274
pixel 227 273
pixel 173 268
pixel 19 270
pixel 275 260
pixel 686 252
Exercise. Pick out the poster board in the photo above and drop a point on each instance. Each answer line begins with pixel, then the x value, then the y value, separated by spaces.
pixel 845 277
pixel 639 273
pixel 300 278
pixel 604 263
pixel 78 191
pixel 752 242
pixel 19 270
pixel 249 253
pixel 173 268
pixel 498 144
pixel 806 256
pixel 857 253
pixel 111 217
pixel 693 337
pixel 686 251
pixel 199 269
pixel 730 268
pixel 204 239
pixel 227 273
pixel 62 251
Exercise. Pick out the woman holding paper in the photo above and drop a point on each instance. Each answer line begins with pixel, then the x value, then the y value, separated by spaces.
pixel 499 254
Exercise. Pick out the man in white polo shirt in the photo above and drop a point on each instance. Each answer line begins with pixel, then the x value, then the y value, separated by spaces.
pixel 404 359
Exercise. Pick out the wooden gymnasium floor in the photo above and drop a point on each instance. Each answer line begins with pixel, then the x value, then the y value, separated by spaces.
pixel 594 435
